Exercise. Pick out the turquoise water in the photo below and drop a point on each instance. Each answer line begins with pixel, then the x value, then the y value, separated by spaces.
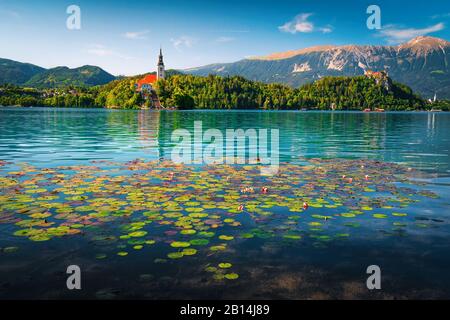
pixel 65 136
pixel 57 164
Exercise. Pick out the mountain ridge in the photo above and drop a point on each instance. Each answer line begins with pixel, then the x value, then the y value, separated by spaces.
pixel 86 75
pixel 27 74
pixel 417 41
pixel 421 63
pixel 15 72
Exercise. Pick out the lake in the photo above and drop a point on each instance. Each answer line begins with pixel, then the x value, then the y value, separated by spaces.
pixel 97 188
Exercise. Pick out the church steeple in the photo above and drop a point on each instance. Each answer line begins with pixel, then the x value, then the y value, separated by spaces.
pixel 160 67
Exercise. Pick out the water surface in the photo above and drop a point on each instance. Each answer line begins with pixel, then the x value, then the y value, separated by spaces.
pixel 397 219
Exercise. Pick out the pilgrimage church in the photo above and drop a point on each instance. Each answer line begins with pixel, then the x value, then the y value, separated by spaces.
pixel 145 85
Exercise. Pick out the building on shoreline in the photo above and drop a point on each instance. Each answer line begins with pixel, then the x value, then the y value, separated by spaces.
pixel 146 85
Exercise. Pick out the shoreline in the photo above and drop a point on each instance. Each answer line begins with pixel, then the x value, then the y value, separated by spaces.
pixel 230 110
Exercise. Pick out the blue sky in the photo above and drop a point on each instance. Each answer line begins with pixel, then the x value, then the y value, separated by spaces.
pixel 123 37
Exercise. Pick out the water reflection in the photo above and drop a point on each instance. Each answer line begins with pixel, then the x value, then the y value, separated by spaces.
pixel 148 129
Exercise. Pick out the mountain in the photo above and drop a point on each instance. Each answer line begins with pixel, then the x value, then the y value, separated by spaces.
pixel 422 63
pixel 26 74
pixel 63 76
pixel 14 72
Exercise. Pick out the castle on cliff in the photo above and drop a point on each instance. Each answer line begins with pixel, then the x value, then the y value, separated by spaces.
pixel 381 77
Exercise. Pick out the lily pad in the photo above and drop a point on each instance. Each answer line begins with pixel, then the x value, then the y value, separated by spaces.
pixel 138 233
pixel 199 242
pixel 231 276
pixel 189 251
pixel 175 255
pixel 180 244
pixel 225 265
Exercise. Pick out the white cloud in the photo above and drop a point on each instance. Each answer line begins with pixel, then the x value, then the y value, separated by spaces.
pixel 395 34
pixel 299 24
pixel 225 39
pixel 183 41
pixel 102 51
pixel 136 35
pixel 302 24
pixel 327 29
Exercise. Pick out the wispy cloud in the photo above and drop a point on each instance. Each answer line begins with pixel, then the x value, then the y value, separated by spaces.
pixel 225 39
pixel 136 35
pixel 182 42
pixel 301 24
pixel 326 29
pixel 102 51
pixel 395 34
pixel 441 15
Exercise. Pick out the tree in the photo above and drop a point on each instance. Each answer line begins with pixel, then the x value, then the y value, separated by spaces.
pixel 183 101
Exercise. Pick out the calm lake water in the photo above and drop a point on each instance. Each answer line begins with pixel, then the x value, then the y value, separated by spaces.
pixel 96 188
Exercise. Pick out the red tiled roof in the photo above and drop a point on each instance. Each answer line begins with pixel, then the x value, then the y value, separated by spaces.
pixel 148 79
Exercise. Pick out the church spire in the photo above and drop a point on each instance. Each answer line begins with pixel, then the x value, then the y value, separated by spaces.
pixel 160 67
pixel 160 58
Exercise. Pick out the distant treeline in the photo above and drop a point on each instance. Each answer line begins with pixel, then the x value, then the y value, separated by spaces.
pixel 215 92
pixel 119 94
pixel 346 93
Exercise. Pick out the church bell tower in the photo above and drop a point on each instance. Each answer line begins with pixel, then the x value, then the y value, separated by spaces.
pixel 160 67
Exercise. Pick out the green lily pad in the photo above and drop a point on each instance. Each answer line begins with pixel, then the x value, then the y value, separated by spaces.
pixel 348 215
pixel 188 231
pixel 210 269
pixel 226 238
pixel 225 265
pixel 292 236
pixel 199 242
pixel 231 276
pixel 217 248
pixel 398 214
pixel 180 244
pixel 175 255
pixel 138 233
pixel 189 251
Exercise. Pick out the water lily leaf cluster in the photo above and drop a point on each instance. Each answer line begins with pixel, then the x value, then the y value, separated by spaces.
pixel 202 213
